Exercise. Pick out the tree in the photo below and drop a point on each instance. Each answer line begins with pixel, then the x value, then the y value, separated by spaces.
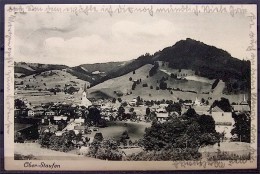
pixel 134 72
pixel 145 85
pixel 242 127
pixel 98 137
pixel 109 151
pixel 133 86
pixel 163 85
pixel 105 150
pixel 215 84
pixel 102 123
pixel 124 136
pixel 154 69
pixel 191 113
pixel 202 100
pixel 176 133
pixel 114 100
pixel 70 90
pixel 207 124
pixel 130 79
pixel 121 111
pixel 174 76
pixel 44 139
pixel 147 111
pixel 174 107
pixel 19 104
pixel 223 104
pixel 155 140
pixel 93 115
pixel 131 110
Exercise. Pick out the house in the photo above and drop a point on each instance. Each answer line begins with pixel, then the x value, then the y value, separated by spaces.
pixel 38 111
pixel 161 110
pixel 162 117
pixel 50 113
pixel 60 117
pixel 45 121
pixel 241 108
pixel 17 112
pixel 30 113
pixel 25 132
pixel 79 120
pixel 80 129
pixel 133 102
pixel 58 133
pixel 223 121
pixel 202 110
pixel 48 128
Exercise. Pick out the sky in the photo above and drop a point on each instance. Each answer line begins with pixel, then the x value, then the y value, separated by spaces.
pixel 69 39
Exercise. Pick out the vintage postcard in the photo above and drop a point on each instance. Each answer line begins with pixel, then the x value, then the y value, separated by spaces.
pixel 130 87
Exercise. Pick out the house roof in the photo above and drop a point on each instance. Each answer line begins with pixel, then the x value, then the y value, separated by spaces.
pixel 18 126
pixel 80 127
pixel 57 118
pixel 37 108
pixel 216 109
pixel 201 108
pixel 162 115
pixel 219 118
pixel 241 108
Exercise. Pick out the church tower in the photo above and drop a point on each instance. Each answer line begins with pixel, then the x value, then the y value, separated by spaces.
pixel 84 100
pixel 244 102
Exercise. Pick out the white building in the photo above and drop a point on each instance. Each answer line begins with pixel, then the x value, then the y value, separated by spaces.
pixel 223 121
pixel 84 100
pixel 31 113
pixel 162 117
pixel 242 107
pixel 197 102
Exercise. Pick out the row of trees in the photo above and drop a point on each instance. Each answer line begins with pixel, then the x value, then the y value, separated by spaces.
pixel 66 142
pixel 178 139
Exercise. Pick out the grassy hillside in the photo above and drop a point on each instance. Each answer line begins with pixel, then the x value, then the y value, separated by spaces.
pixel 102 67
pixel 35 68
pixel 178 88
pixel 205 61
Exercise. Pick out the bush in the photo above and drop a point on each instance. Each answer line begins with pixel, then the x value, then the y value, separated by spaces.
pixel 227 156
pixel 98 137
pixel 105 150
pixel 124 136
pixel 215 84
pixel 145 85
pixel 23 157
pixel 165 155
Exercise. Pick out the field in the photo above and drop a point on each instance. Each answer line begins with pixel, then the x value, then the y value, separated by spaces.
pixel 45 154
pixel 116 128
pixel 226 150
pixel 36 98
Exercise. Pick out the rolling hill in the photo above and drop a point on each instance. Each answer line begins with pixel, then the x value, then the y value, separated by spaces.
pixel 207 61
pixel 189 68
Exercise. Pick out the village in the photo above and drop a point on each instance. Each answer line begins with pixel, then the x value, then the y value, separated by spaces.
pixel 91 119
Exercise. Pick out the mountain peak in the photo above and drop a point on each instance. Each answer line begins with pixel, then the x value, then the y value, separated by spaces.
pixel 191 47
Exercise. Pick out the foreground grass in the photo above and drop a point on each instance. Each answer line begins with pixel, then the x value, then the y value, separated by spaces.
pixel 24 157
pixel 228 156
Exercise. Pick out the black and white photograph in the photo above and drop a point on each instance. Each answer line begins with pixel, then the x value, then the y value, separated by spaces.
pixel 149 84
